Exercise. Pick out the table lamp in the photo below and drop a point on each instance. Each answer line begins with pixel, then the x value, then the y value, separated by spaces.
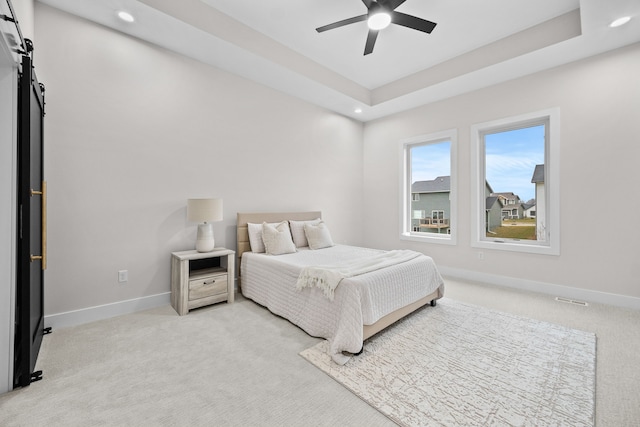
pixel 204 211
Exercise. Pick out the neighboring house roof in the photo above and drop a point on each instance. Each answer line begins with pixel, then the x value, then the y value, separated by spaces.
pixel 508 196
pixel 489 187
pixel 491 200
pixel 526 206
pixel 441 184
pixel 538 174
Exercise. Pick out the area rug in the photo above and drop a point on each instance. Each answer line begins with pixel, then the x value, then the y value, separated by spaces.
pixel 457 364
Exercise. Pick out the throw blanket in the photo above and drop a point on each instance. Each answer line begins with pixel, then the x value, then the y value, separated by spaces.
pixel 328 277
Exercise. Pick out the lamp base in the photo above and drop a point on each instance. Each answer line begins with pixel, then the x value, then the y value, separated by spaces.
pixel 204 240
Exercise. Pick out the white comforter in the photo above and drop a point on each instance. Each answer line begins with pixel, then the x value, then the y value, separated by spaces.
pixel 327 277
pixel 358 300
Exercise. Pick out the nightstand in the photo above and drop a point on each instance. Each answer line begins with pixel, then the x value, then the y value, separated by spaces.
pixel 201 278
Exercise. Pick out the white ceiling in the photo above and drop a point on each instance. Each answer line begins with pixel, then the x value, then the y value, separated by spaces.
pixel 463 25
pixel 475 44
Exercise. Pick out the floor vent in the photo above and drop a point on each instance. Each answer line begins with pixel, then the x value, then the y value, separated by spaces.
pixel 571 301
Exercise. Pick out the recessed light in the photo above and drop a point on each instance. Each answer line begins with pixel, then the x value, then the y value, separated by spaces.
pixel 620 21
pixel 125 16
pixel 358 110
pixel 379 20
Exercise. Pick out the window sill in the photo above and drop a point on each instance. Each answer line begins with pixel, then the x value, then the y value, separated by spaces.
pixel 515 246
pixel 448 240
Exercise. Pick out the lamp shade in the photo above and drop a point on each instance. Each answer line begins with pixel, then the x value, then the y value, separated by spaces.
pixel 204 210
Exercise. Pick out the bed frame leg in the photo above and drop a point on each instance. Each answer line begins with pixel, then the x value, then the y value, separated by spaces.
pixel 433 303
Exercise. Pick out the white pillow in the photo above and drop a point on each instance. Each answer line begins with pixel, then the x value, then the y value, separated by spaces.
pixel 277 240
pixel 255 236
pixel 297 231
pixel 318 236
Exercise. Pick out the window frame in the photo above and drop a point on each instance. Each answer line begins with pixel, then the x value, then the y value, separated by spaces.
pixel 551 245
pixel 406 211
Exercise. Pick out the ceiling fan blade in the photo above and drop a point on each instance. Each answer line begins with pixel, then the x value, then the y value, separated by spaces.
pixel 342 23
pixel 368 3
pixel 371 41
pixel 412 22
pixel 391 4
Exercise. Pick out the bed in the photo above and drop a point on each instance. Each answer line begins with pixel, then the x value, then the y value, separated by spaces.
pixel 359 307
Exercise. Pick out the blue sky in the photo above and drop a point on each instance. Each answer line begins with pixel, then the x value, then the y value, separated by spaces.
pixel 430 161
pixel 511 158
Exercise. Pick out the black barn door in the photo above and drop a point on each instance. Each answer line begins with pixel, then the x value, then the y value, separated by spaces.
pixel 31 259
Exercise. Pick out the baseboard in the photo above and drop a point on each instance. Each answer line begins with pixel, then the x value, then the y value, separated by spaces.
pixel 91 314
pixel 544 288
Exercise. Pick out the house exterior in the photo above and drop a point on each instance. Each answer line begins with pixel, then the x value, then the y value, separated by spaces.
pixel 538 180
pixel 493 209
pixel 512 205
pixel 493 216
pixel 529 210
pixel 430 205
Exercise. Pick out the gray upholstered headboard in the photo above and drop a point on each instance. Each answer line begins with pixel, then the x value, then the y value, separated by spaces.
pixel 259 218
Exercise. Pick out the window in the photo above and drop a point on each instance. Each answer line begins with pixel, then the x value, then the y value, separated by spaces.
pixel 428 188
pixel 516 160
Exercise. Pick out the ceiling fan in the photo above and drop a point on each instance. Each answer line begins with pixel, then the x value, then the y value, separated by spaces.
pixel 380 14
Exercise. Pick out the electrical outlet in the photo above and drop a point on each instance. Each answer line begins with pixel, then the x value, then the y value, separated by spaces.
pixel 480 255
pixel 123 276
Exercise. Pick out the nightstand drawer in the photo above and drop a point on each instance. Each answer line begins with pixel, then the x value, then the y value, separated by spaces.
pixel 208 286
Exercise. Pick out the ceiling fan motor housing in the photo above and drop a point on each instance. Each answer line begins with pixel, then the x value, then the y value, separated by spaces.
pixel 387 9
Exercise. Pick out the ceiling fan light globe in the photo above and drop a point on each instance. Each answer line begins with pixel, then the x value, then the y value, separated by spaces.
pixel 379 21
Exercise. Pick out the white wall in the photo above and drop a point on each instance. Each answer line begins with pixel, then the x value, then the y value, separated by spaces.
pixel 24 12
pixel 599 101
pixel 132 131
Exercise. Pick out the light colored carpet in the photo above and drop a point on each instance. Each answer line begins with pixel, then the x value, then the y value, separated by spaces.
pixel 224 365
pixel 458 364
pixel 238 365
